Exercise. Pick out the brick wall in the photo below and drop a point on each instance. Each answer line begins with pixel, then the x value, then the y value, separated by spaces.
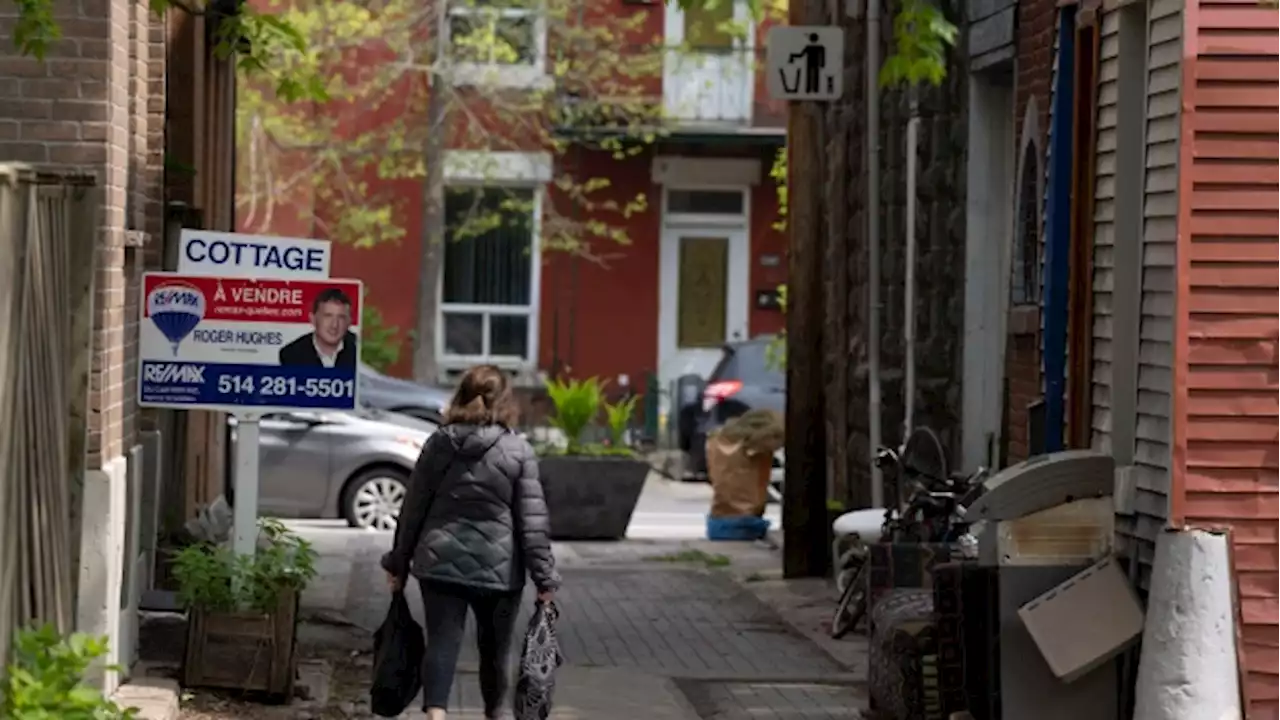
pixel 1035 33
pixel 1036 21
pixel 85 109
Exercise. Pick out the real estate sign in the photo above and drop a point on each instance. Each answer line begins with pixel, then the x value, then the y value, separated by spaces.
pixel 243 344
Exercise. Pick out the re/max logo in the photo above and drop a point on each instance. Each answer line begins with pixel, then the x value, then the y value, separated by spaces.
pixel 180 298
pixel 171 373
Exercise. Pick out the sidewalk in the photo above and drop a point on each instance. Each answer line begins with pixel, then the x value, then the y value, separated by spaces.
pixel 587 693
pixel 651 629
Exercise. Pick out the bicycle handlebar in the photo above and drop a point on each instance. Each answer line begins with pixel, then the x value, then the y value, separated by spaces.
pixel 886 456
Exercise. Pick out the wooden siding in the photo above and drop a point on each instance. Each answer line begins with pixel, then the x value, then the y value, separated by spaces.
pixel 1152 455
pixel 1227 312
pixel 1104 228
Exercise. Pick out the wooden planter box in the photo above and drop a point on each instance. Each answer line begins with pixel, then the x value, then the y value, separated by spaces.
pixel 248 651
pixel 591 498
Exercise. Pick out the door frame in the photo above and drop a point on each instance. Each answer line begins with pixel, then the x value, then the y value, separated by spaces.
pixel 737 228
pixel 1078 433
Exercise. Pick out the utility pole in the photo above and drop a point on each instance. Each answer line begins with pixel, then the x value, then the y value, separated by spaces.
pixel 806 551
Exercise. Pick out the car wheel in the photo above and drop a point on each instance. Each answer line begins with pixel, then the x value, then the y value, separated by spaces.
pixel 372 499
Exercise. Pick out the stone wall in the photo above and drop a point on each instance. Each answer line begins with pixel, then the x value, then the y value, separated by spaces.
pixel 939 270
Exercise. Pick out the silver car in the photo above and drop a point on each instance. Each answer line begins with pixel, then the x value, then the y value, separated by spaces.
pixel 384 392
pixel 349 465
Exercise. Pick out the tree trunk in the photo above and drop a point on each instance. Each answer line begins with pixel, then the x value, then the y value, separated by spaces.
pixel 431 255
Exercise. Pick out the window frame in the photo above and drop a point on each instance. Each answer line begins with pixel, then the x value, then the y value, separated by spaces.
pixel 531 310
pixel 492 74
pixel 1025 265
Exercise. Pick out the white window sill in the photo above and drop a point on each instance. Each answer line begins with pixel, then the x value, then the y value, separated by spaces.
pixel 516 77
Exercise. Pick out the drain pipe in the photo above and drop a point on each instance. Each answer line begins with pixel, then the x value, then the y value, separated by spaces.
pixel 873 243
pixel 909 293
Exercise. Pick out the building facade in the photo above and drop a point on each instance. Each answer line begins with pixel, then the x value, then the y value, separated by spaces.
pixel 121 97
pixel 1141 314
pixel 638 214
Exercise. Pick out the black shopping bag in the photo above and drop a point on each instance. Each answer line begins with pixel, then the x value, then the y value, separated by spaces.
pixel 538 664
pixel 398 649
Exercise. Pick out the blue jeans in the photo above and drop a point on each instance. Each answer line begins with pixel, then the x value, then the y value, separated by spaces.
pixel 445 609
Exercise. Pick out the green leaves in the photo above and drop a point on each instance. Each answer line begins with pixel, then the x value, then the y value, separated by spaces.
pixel 270 45
pixel 779 175
pixel 776 352
pixel 214 578
pixel 921 32
pixel 922 35
pixel 44 681
pixel 35 29
pixel 577 403
pixel 262 43
pixel 618 416
pixel 379 343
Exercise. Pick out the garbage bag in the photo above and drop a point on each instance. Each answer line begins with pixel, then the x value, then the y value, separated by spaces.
pixel 538 663
pixel 739 478
pixel 398 651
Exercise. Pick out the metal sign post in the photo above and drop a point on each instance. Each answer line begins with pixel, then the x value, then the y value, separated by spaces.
pixel 245 540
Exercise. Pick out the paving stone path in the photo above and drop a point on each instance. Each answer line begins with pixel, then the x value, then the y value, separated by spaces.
pixel 729 655
pixel 648 638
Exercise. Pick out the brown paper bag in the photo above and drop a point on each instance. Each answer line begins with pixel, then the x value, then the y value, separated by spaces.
pixel 739 479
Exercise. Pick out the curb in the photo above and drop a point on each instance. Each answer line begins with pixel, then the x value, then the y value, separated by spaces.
pixel 153 698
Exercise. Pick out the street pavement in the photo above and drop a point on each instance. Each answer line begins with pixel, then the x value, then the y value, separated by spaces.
pixel 662 626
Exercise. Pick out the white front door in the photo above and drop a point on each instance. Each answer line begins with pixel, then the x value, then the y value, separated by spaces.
pixel 705 266
pixel 708 73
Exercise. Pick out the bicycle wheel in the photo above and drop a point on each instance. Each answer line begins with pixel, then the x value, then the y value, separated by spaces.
pixel 852 605
pixel 923 454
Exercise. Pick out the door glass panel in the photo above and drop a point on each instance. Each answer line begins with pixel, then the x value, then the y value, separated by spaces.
pixel 708 26
pixel 703 282
pixel 705 202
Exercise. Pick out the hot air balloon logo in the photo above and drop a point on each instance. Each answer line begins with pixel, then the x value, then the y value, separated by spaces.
pixel 176 308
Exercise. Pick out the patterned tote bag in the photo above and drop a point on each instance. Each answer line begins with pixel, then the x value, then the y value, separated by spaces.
pixel 538 663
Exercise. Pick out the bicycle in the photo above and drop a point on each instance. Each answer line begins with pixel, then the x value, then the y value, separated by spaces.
pixel 934 512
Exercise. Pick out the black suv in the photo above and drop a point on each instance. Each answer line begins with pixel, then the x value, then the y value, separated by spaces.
pixel 743 380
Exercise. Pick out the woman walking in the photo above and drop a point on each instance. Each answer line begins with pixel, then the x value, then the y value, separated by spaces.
pixel 473 523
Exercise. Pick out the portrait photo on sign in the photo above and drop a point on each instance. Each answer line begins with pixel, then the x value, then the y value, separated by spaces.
pixel 330 342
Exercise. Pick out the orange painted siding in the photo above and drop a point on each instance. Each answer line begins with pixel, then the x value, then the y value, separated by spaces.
pixel 1227 416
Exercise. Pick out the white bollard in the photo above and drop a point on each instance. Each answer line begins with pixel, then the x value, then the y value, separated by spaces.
pixel 1188 668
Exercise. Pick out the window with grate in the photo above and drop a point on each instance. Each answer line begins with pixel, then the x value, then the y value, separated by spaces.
pixel 487 301
pixel 1025 286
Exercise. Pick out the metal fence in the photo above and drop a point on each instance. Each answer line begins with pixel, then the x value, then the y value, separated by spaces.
pixel 47 225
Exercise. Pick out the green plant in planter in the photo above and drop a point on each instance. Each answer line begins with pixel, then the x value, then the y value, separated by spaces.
pixel 618 416
pixel 45 679
pixel 215 579
pixel 577 404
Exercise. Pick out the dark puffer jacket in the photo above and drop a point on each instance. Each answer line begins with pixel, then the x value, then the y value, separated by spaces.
pixel 475 515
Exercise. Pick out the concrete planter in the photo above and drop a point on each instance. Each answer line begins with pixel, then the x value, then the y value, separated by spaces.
pixel 591 498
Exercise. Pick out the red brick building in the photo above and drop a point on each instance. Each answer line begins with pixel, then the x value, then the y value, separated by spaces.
pixel 689 188
pixel 122 92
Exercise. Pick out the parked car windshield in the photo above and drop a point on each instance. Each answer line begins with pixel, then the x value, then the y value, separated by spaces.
pixel 748 363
